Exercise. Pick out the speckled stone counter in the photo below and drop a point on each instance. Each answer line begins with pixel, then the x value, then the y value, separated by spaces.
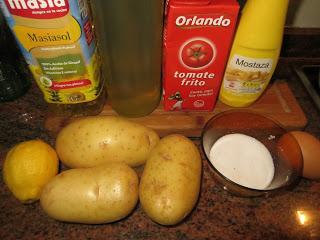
pixel 294 214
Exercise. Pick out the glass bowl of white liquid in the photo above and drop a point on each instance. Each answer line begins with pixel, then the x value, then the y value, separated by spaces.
pixel 251 154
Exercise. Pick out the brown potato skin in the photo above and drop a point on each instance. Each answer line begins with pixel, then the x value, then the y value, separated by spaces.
pixel 170 183
pixel 94 195
pixel 97 140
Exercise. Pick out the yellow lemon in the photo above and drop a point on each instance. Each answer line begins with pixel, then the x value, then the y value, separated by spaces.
pixel 28 167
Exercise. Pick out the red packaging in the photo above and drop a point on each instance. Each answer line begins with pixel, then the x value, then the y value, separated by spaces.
pixel 197 40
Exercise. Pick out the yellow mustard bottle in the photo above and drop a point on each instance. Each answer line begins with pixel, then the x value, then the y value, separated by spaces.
pixel 255 52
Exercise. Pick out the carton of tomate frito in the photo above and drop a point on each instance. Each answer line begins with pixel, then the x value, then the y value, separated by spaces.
pixel 57 41
pixel 197 41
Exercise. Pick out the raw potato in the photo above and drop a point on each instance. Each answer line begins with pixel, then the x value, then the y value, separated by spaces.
pixel 170 183
pixel 97 140
pixel 95 195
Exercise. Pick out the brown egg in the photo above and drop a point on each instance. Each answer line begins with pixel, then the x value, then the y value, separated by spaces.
pixel 310 148
pixel 289 152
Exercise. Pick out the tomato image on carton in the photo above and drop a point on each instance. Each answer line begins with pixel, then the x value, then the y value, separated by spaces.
pixel 197 53
pixel 197 40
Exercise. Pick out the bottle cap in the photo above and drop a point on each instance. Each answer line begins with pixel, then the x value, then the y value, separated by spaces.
pixel 262 23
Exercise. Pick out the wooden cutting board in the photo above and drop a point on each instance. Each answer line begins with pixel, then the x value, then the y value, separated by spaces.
pixel 278 102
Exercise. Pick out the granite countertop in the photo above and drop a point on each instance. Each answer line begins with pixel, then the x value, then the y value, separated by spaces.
pixel 218 215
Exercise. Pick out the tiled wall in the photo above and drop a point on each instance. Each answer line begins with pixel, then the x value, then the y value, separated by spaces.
pixel 304 13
